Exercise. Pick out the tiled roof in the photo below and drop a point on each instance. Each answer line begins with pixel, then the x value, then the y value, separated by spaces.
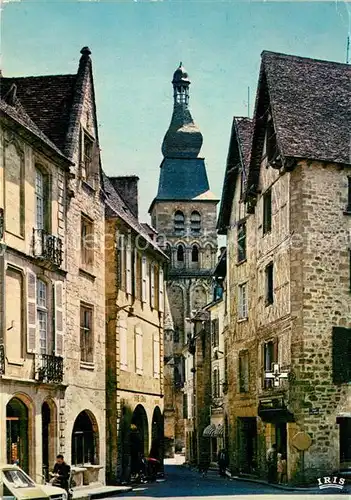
pixel 116 206
pixel 238 160
pixel 311 106
pixel 47 100
pixel 19 115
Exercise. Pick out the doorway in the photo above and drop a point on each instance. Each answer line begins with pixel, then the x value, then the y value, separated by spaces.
pixel 345 440
pixel 17 433
pixel 247 434
pixel 281 437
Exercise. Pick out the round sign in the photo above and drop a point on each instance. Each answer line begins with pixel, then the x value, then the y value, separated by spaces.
pixel 302 441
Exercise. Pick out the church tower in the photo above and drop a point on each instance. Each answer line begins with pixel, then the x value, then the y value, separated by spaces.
pixel 184 215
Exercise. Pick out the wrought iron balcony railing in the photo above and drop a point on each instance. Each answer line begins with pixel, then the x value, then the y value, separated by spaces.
pixel 49 368
pixel 47 247
pixel 1 223
pixel 2 359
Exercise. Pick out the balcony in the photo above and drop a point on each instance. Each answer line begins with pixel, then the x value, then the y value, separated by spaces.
pixel 49 368
pixel 47 247
pixel 1 223
pixel 2 359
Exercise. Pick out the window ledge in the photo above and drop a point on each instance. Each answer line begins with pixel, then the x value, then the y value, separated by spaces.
pixel 266 233
pixel 267 303
pixel 241 262
pixel 88 186
pixel 84 365
pixel 124 368
pixel 139 372
pixel 347 211
pixel 242 320
pixel 87 274
pixel 15 362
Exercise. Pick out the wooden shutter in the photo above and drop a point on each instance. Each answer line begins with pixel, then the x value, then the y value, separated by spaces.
pixel 129 270
pixel 152 285
pixel 161 298
pixel 135 272
pixel 138 351
pixel 156 355
pixel 143 279
pixel 275 351
pixel 341 351
pixel 31 312
pixel 59 329
pixel 123 351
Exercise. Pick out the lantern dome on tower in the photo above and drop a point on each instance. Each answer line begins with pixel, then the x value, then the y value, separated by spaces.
pixel 183 138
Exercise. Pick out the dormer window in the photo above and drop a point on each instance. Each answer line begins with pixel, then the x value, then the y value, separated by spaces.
pixel 271 144
pixel 87 153
pixel 195 222
pixel 179 222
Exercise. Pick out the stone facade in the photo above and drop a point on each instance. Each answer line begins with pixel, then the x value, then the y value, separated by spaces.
pixel 288 304
pixel 135 308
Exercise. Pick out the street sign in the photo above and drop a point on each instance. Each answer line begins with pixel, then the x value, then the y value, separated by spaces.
pixel 276 375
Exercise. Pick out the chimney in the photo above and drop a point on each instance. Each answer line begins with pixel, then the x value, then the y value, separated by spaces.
pixel 127 188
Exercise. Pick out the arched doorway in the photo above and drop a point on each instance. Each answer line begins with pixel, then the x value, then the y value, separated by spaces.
pixel 157 441
pixel 85 440
pixel 49 435
pixel 17 433
pixel 139 437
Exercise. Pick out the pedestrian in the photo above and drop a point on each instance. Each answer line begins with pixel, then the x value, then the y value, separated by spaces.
pixel 279 467
pixel 283 476
pixel 61 473
pixel 222 462
pixel 272 463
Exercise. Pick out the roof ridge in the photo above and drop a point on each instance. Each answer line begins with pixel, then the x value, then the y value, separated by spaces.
pixel 36 76
pixel 282 55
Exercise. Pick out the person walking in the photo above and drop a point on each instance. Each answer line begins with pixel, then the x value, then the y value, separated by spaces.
pixel 222 462
pixel 272 458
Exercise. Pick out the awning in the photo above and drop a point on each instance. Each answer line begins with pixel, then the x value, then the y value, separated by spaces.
pixel 210 431
pixel 220 430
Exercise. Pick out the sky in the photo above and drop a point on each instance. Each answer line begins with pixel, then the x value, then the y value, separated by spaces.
pixel 137 45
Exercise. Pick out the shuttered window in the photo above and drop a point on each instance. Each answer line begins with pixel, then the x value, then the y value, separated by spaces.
pixel 215 332
pixel 123 351
pixel 31 312
pixel 129 270
pixel 143 279
pixel 86 334
pixel 59 328
pixel 138 351
pixel 152 285
pixel 341 355
pixel 267 211
pixel 156 354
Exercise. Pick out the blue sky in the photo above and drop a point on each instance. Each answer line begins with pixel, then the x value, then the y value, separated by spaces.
pixel 136 46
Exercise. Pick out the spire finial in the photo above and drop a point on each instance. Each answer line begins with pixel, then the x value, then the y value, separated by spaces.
pixel 85 51
pixel 180 64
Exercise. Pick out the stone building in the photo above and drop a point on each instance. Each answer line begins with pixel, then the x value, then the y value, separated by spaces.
pixel 286 215
pixel 63 301
pixel 135 310
pixel 184 215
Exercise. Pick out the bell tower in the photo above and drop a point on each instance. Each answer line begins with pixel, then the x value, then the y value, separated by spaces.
pixel 184 215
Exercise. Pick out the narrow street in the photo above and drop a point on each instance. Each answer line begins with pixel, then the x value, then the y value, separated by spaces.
pixel 180 482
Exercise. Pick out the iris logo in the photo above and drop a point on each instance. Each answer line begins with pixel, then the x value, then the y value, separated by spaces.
pixel 336 483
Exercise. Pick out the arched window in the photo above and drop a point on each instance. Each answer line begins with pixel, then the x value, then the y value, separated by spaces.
pixel 195 254
pixel 179 222
pixel 195 222
pixel 180 253
pixel 85 440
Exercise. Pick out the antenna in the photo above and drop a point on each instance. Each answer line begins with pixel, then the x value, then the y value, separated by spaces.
pixel 348 49
pixel 248 102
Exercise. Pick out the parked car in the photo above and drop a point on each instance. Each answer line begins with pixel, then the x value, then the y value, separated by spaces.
pixel 15 483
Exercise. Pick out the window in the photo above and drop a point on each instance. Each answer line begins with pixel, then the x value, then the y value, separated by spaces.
pixel 348 209
pixel 152 285
pixel 215 383
pixel 156 351
pixel 215 332
pixel 242 301
pixel 179 223
pixel 185 405
pixel 244 371
pixel 143 278
pixel 123 345
pixel 341 355
pixel 195 222
pixel 271 144
pixel 41 200
pixel 87 241
pixel 14 314
pixel 161 298
pixel 267 211
pixel 241 242
pixel 42 316
pixel 86 334
pixel 195 254
pixel 138 351
pixel 269 284
pixel 87 155
pixel 270 356
pixel 180 253
pixel 129 280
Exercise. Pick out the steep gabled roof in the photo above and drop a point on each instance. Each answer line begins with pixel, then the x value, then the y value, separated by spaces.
pixel 310 103
pixel 47 100
pixel 115 206
pixel 238 161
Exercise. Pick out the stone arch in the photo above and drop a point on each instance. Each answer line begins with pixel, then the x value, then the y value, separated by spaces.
pixel 20 430
pixel 157 450
pixel 179 221
pixel 198 296
pixel 195 222
pixel 180 254
pixel 85 439
pixel 138 437
pixel 195 254
pixel 49 434
pixel 208 256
